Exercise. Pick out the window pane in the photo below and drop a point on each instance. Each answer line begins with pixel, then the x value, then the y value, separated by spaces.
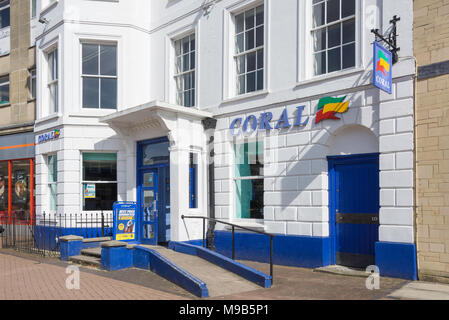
pixel 319 40
pixel 251 62
pixel 52 169
pixel 3 189
pixel 249 19
pixel 185 45
pixel 249 200
pixel 99 167
pixel 349 31
pixel 108 60
pixel 239 23
pixel 249 159
pixel 249 40
pixel 4 18
pixel 187 81
pixel 333 10
pixel 192 60
pixel 53 196
pixel 53 98
pixel 320 63
pixel 241 84
pixel 240 43
pixel 260 80
pixel 90 93
pixel 193 181
pixel 260 59
pixel 259 15
pixel 109 93
pixel 155 153
pixel 347 8
pixel 187 99
pixel 241 64
pixel 318 14
pixel 105 196
pixel 334 36
pixel 349 56
pixel 90 59
pixel 259 36
pixel 4 90
pixel 251 82
pixel 334 57
pixel 21 189
pixel 186 62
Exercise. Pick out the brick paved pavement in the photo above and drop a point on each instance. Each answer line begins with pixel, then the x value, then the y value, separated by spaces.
pixel 24 279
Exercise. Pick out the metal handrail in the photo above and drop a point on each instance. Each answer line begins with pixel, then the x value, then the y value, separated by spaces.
pixel 233 225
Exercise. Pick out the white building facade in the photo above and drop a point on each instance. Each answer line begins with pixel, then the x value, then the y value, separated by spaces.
pixel 126 93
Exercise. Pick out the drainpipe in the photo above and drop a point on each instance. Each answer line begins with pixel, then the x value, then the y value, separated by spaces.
pixel 209 126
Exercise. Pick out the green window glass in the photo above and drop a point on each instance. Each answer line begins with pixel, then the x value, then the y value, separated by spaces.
pixel 249 180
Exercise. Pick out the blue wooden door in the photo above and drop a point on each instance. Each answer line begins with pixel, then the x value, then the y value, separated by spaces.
pixel 149 207
pixel 355 205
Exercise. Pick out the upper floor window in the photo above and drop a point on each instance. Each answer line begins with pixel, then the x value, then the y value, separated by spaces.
pixel 52 166
pixel 99 75
pixel 32 84
pixel 249 54
pixel 333 33
pixel 185 71
pixel 4 90
pixel 52 59
pixel 4 14
pixel 33 9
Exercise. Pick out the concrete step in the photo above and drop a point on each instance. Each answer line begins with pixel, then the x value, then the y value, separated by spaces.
pixel 86 261
pixel 92 252
pixel 343 271
pixel 218 280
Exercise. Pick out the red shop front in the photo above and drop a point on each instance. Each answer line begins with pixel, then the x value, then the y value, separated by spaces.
pixel 17 183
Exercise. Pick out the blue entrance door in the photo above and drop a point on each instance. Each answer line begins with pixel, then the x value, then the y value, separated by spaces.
pixel 354 195
pixel 149 207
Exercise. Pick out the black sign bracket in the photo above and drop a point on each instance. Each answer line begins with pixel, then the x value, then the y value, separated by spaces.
pixel 391 39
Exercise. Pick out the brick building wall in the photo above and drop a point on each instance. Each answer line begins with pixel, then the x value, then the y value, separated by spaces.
pixel 431 45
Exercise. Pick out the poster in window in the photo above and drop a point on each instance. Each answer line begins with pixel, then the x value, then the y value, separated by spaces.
pixel 3 193
pixel 89 191
pixel 20 187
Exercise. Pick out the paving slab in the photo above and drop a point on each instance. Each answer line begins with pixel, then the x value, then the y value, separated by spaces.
pixel 218 280
pixel 344 271
pixel 422 291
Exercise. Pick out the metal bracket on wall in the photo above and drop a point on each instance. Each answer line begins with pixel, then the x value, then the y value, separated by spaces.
pixel 391 39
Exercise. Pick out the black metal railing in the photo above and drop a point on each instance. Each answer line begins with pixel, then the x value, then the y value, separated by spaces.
pixel 234 226
pixel 41 234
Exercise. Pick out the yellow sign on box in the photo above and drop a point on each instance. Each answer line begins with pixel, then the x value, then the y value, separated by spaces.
pixel 125 236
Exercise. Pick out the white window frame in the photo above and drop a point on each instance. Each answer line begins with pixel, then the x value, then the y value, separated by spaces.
pixel 83 182
pixel 33 85
pixel 6 83
pixel 235 179
pixel 4 8
pixel 178 76
pixel 52 56
pixel 52 183
pixel 99 43
pixel 305 40
pixel 33 6
pixel 245 53
pixel 229 65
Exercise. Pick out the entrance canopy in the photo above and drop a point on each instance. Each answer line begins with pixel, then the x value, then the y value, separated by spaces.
pixel 184 129
pixel 156 114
